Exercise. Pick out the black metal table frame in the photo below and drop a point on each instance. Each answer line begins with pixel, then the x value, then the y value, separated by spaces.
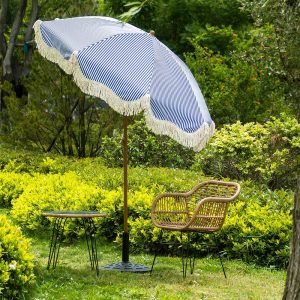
pixel 58 230
pixel 188 254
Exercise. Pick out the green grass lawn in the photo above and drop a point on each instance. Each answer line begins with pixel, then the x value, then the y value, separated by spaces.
pixel 74 279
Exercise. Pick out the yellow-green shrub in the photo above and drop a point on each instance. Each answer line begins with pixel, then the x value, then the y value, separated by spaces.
pixel 265 153
pixel 70 192
pixel 258 229
pixel 53 192
pixel 16 267
pixel 257 212
pixel 111 202
pixel 11 186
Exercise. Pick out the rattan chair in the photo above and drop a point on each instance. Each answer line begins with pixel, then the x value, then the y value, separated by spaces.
pixel 202 210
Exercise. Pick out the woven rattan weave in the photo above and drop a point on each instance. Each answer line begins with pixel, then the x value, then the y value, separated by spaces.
pixel 202 210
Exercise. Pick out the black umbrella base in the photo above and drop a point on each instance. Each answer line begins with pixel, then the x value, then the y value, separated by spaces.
pixel 127 267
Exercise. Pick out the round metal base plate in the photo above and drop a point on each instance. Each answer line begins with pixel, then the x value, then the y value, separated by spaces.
pixel 127 267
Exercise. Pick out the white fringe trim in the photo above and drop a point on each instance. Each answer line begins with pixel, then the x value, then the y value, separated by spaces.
pixel 99 90
pixel 196 140
pixel 50 53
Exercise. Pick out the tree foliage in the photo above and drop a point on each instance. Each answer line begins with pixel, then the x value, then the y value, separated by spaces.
pixel 146 149
pixel 238 67
pixel 174 21
pixel 284 17
pixel 44 108
pixel 57 116
pixel 236 82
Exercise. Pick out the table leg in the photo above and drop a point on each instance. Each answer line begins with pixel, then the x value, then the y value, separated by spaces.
pixel 57 234
pixel 90 235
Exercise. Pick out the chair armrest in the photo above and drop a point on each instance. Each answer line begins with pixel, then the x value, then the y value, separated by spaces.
pixel 210 212
pixel 170 211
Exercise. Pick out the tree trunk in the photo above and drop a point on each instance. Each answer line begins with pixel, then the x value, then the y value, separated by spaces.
pixel 292 286
pixel 7 62
pixel 3 13
pixel 3 44
pixel 67 120
pixel 28 48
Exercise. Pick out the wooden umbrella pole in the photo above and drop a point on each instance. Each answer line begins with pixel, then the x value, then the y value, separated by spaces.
pixel 126 265
pixel 125 246
pixel 125 167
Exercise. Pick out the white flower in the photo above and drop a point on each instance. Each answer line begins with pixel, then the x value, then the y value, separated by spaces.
pixel 13 265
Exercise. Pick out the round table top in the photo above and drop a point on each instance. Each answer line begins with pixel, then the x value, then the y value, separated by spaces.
pixel 73 214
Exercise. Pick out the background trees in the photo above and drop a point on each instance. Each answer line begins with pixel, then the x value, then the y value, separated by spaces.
pixel 246 73
pixel 40 106
pixel 284 17
pixel 244 54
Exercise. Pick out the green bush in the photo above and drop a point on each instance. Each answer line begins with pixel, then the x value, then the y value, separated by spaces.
pixel 16 267
pixel 93 170
pixel 11 187
pixel 146 148
pixel 24 161
pixel 266 153
pixel 91 186
pixel 257 229
pixel 160 179
pixel 259 226
pixel 53 192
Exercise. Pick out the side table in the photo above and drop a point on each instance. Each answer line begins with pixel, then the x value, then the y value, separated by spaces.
pixel 58 229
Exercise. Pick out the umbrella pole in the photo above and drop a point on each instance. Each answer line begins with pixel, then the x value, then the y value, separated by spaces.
pixel 125 245
pixel 125 265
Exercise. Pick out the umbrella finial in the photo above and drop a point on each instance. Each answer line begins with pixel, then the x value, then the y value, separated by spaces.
pixel 152 32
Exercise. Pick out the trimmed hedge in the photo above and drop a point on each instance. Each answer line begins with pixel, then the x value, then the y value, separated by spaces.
pixel 11 187
pixel 265 153
pixel 57 183
pixel 53 192
pixel 257 229
pixel 16 267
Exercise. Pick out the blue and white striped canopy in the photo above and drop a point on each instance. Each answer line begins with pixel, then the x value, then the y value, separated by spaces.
pixel 132 71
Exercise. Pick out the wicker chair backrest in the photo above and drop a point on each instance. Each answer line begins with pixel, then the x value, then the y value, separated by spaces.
pixel 202 209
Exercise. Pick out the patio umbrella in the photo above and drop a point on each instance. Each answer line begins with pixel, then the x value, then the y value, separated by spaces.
pixel 133 72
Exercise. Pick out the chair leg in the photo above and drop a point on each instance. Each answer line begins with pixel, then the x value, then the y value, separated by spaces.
pixel 183 258
pixel 186 255
pixel 192 262
pixel 220 257
pixel 155 255
pixel 156 251
pixel 187 258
